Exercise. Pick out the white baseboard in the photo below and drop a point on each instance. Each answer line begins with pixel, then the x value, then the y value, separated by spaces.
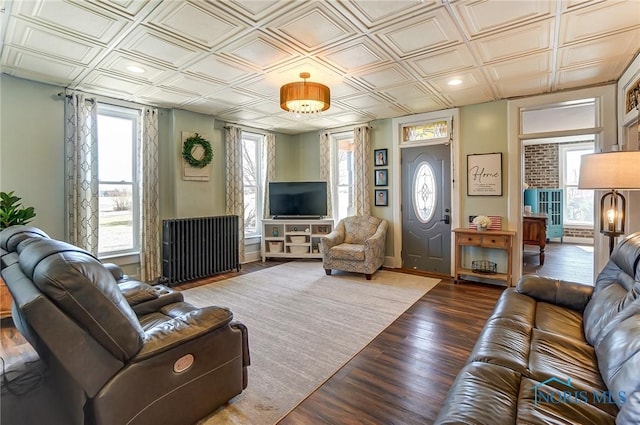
pixel 576 240
pixel 250 257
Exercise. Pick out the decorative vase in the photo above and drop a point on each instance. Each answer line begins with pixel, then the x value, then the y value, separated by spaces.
pixel 481 228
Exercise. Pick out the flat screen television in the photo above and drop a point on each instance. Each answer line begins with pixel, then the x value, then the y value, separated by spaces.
pixel 298 199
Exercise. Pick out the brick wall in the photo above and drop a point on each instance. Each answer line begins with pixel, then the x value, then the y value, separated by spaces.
pixel 541 166
pixel 542 171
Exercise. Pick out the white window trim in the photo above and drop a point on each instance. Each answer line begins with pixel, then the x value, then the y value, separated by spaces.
pixel 335 140
pixel 134 115
pixel 259 138
pixel 563 149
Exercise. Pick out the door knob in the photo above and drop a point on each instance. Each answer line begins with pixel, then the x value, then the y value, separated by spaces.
pixel 446 219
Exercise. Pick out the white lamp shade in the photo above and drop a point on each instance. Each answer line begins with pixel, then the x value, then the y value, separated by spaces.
pixel 610 170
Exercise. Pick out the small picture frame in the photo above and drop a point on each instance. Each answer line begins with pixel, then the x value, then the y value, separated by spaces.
pixel 381 177
pixel 380 157
pixel 382 197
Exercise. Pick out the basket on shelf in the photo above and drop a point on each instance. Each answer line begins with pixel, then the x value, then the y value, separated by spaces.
pixel 484 267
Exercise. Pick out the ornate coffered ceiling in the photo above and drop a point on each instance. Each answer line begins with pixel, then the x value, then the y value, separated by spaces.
pixel 381 59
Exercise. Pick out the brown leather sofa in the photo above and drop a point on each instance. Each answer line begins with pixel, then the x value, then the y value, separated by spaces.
pixel 170 363
pixel 556 352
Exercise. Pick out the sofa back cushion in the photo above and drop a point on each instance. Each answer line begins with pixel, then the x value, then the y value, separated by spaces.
pixel 11 237
pixel 616 292
pixel 359 228
pixel 79 285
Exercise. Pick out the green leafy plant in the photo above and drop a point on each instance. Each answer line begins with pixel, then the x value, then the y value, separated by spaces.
pixel 12 212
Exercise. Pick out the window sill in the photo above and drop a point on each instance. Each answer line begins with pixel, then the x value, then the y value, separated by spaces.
pixel 252 240
pixel 122 259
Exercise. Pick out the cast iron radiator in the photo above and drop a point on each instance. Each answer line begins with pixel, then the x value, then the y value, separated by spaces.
pixel 194 248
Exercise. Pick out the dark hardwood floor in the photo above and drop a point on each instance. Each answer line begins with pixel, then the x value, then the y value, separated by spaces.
pixel 562 261
pixel 404 374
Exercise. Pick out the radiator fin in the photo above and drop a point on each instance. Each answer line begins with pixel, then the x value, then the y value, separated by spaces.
pixel 194 248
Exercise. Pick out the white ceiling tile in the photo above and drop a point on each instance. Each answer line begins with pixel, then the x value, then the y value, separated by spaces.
pixel 375 13
pixel 257 10
pixel 114 83
pixel 586 75
pixel 481 16
pixel 470 96
pixel 117 62
pixel 233 97
pixel 405 92
pixel 470 78
pixel 165 97
pixel 390 75
pixel 523 86
pixel 74 17
pixel 328 27
pixel 597 50
pixel 353 117
pixel 520 67
pixel 424 104
pixel 528 39
pixel 601 18
pixel 156 46
pixel 129 7
pixel 193 85
pixel 195 23
pixel 57 70
pixel 45 40
pixel 240 114
pixel 218 69
pixel 359 54
pixel 433 30
pixel 363 101
pixel 443 61
pixel 259 51
pixel 207 106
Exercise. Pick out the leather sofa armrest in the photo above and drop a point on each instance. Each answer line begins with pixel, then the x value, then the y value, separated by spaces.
pixel 186 326
pixel 115 270
pixel 564 293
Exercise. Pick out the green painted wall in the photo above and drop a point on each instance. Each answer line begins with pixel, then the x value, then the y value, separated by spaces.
pixel 32 149
pixel 483 129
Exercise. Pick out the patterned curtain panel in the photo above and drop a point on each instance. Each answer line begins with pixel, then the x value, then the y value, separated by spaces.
pixel 150 266
pixel 270 169
pixel 362 164
pixel 234 185
pixel 81 170
pixel 326 167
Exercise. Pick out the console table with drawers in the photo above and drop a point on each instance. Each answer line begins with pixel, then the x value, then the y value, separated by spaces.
pixel 489 240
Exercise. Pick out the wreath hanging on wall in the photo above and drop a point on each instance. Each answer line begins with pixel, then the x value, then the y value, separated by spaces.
pixel 187 153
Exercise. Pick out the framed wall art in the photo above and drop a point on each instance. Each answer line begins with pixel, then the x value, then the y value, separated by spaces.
pixel 484 174
pixel 380 157
pixel 382 196
pixel 381 177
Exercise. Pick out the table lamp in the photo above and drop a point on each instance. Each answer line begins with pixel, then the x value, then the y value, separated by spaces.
pixel 612 171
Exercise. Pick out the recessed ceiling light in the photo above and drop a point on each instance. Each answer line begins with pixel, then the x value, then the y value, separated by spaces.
pixel 455 82
pixel 136 69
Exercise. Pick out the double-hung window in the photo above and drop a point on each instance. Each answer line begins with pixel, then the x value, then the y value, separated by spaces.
pixel 344 172
pixel 252 164
pixel 119 217
pixel 578 203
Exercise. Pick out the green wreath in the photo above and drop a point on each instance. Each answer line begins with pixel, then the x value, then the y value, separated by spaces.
pixel 187 149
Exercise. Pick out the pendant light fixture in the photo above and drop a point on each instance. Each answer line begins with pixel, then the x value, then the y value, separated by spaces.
pixel 305 100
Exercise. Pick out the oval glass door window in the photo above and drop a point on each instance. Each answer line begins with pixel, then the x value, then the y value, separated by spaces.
pixel 424 192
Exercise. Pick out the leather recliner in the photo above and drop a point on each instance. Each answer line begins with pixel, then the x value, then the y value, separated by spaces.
pixel 173 365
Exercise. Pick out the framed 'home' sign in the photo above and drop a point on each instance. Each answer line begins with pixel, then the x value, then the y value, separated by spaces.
pixel 484 174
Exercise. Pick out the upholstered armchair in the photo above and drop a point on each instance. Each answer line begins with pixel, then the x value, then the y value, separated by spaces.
pixel 357 244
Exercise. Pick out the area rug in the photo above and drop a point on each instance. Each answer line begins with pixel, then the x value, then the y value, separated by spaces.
pixel 303 326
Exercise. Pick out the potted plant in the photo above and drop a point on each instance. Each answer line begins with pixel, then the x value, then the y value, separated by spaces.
pixel 12 212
